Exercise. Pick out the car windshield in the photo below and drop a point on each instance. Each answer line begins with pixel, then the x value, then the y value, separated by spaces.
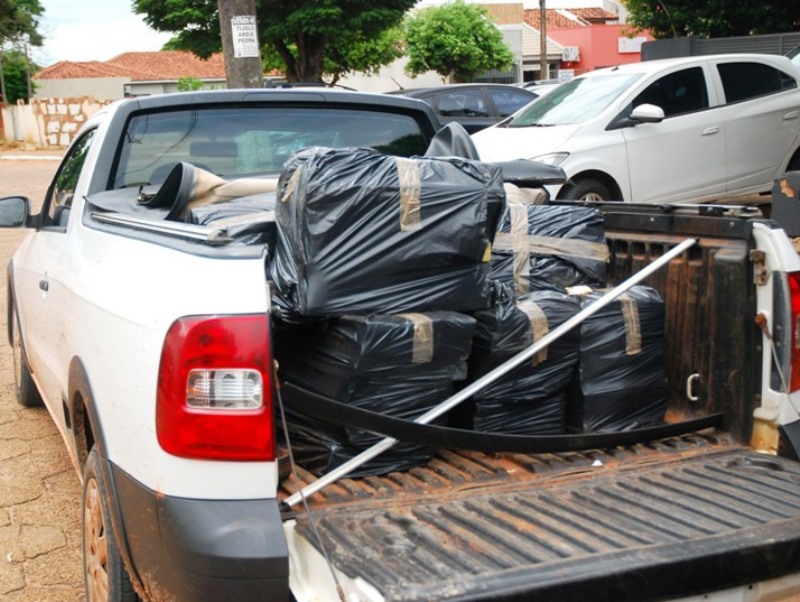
pixel 794 55
pixel 572 102
pixel 254 140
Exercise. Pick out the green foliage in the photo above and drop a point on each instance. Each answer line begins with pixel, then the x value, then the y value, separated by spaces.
pixel 302 33
pixel 190 84
pixel 352 52
pixel 15 76
pixel 19 23
pixel 716 18
pixel 457 40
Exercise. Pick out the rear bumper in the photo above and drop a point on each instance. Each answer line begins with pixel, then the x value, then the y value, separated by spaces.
pixel 195 550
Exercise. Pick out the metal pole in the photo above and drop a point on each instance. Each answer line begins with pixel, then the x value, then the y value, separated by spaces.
pixel 544 71
pixel 491 376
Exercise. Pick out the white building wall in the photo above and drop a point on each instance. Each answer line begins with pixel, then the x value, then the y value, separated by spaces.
pixel 391 77
pixel 105 88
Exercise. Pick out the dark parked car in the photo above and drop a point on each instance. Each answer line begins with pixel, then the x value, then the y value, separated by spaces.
pixel 475 106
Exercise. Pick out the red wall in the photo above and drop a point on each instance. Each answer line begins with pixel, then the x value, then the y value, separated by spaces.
pixel 598 46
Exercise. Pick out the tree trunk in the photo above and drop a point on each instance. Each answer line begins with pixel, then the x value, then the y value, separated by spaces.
pixel 311 54
pixel 237 22
pixel 3 98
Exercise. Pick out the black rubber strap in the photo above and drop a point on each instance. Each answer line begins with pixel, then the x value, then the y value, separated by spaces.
pixel 305 402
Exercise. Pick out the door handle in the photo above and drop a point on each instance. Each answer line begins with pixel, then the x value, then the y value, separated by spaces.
pixel 44 285
pixel 710 131
pixel 791 115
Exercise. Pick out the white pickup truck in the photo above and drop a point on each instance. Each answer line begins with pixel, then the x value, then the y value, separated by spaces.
pixel 152 342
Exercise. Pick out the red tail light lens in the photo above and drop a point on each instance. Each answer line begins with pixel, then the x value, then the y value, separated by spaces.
pixel 213 400
pixel 794 287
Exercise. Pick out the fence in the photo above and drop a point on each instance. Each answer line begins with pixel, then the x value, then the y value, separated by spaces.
pixel 48 123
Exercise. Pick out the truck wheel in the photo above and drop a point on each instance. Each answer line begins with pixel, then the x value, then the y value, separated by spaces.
pixel 586 190
pixel 105 578
pixel 24 387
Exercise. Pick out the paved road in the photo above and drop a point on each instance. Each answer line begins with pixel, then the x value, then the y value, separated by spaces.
pixel 40 516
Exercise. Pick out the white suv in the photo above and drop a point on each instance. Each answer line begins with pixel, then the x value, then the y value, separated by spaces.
pixel 676 130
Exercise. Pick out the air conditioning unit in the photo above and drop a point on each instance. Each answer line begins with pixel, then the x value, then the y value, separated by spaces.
pixel 570 54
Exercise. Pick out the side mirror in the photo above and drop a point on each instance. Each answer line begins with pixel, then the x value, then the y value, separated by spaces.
pixel 646 113
pixel 14 211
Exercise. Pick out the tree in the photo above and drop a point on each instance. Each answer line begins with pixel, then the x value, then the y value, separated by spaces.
pixel 15 76
pixel 303 33
pixel 716 18
pixel 18 29
pixel 190 84
pixel 457 40
pixel 351 53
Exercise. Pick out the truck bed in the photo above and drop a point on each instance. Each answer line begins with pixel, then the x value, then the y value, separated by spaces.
pixel 598 525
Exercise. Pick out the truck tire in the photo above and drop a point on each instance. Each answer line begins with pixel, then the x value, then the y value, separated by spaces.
pixel 24 387
pixel 586 190
pixel 105 577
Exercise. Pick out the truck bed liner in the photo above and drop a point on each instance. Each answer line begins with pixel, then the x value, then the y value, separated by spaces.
pixel 692 505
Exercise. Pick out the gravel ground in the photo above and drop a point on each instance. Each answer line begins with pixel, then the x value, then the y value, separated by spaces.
pixel 40 493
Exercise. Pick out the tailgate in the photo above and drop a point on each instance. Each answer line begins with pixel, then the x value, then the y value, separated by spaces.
pixel 681 516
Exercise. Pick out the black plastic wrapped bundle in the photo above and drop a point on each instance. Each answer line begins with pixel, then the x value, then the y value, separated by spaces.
pixel 397 365
pixel 531 398
pixel 546 416
pixel 621 380
pixel 549 247
pixel 249 220
pixel 360 232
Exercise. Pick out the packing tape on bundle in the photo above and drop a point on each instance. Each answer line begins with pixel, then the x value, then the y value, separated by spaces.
pixel 522 255
pixel 292 184
pixel 633 327
pixel 422 346
pixel 410 193
pixel 551 245
pixel 524 196
pixel 539 326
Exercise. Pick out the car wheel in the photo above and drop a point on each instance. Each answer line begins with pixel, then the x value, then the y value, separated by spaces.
pixel 24 387
pixel 105 578
pixel 586 190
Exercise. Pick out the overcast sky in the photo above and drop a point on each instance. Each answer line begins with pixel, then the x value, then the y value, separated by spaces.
pixel 92 30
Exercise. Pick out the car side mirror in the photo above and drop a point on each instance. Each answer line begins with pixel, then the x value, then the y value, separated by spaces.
pixel 14 211
pixel 647 113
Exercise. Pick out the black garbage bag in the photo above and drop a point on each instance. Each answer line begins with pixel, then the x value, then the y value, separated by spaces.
pixel 545 416
pixel 360 232
pixel 531 398
pixel 398 365
pixel 621 380
pixel 249 220
pixel 550 247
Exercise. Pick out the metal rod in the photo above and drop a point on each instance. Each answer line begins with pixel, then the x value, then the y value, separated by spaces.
pixel 491 376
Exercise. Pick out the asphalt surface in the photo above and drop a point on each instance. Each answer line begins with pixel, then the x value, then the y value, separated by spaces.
pixel 40 493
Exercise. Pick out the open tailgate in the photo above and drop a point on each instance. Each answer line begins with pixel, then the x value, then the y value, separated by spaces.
pixel 673 518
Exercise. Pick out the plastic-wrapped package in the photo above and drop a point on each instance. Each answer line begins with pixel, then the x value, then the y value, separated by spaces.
pixel 547 416
pixel 621 380
pixel 399 365
pixel 549 247
pixel 530 399
pixel 249 220
pixel 360 232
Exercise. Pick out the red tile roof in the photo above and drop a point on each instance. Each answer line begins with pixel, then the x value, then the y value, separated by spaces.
pixel 558 19
pixel 554 19
pixel 594 15
pixel 169 65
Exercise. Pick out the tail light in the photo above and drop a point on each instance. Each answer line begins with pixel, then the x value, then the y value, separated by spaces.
pixel 794 288
pixel 214 389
